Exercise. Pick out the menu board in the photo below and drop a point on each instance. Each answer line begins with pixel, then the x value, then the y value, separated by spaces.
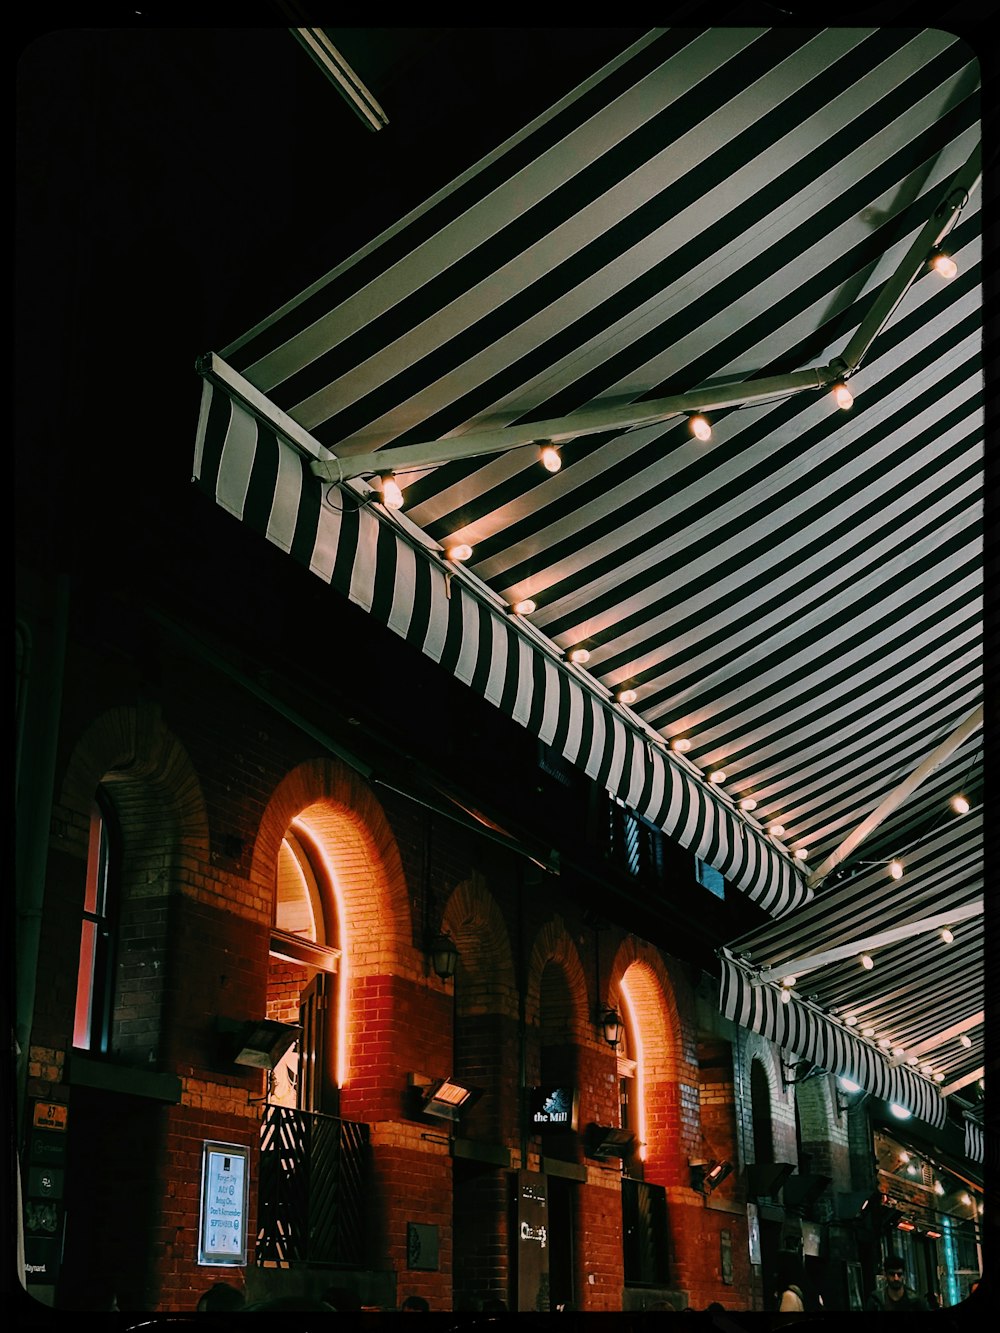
pixel 222 1229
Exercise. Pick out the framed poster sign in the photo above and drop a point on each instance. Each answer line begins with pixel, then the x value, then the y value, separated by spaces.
pixel 222 1229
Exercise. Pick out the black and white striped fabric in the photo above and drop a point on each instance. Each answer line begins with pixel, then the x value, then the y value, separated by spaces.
pixel 924 996
pixel 974 1141
pixel 800 597
pixel 813 1035
pixel 262 480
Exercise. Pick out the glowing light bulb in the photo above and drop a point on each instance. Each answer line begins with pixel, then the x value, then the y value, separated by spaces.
pixel 626 696
pixel 700 428
pixel 867 963
pixel 776 830
pixel 717 776
pixel 900 1112
pixel 579 655
pixel 965 1040
pixel 748 803
pixel 944 266
pixel 939 1077
pixel 681 744
pixel 896 869
pixel 848 1084
pixel 392 496
pixel 524 608
pixel 960 805
pixel 788 981
pixel 842 396
pixel 801 853
pixel 550 458
pixel 947 936
pixel 867 1032
pixel 851 1020
pixel 460 551
pixel 938 1187
pixel 786 996
pixel 898 1052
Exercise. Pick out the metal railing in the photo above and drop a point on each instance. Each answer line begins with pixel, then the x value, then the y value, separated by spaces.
pixel 311 1191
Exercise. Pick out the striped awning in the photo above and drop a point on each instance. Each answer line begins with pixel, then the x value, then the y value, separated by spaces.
pixel 721 219
pixel 974 1141
pixel 917 1010
pixel 825 1044
pixel 260 478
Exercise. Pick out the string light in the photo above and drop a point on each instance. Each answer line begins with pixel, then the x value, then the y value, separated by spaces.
pixel 965 1040
pixel 960 805
pixel 392 496
pixel 748 803
pixel 460 551
pixel 626 696
pixel 867 963
pixel 851 1020
pixel 943 265
pixel 681 744
pixel 842 396
pixel 523 608
pixel 776 830
pixel 700 427
pixel 947 936
pixel 786 996
pixel 788 981
pixel 801 853
pixel 578 655
pixel 550 457
pixel 896 869
pixel 717 776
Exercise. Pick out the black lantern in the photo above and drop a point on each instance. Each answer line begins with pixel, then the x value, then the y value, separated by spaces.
pixel 611 1026
pixel 444 956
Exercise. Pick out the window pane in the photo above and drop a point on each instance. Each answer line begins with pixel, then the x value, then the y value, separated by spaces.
pixel 85 986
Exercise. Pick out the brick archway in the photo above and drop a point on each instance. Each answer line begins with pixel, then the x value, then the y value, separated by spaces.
pixel 553 944
pixel 349 825
pixel 645 993
pixel 486 980
pixel 153 783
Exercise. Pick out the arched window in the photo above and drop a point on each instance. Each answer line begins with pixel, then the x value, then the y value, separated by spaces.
pixel 96 967
pixel 303 974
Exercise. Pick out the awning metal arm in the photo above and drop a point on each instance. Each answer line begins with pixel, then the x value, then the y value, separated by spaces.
pixel 901 793
pixel 588 421
pixel 956 1030
pixel 935 229
pixel 808 963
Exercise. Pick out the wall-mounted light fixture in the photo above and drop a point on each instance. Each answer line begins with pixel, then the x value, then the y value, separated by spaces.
pixel 443 955
pixel 603 1141
pixel 259 1043
pixel 610 1024
pixel 705 1176
pixel 442 1098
